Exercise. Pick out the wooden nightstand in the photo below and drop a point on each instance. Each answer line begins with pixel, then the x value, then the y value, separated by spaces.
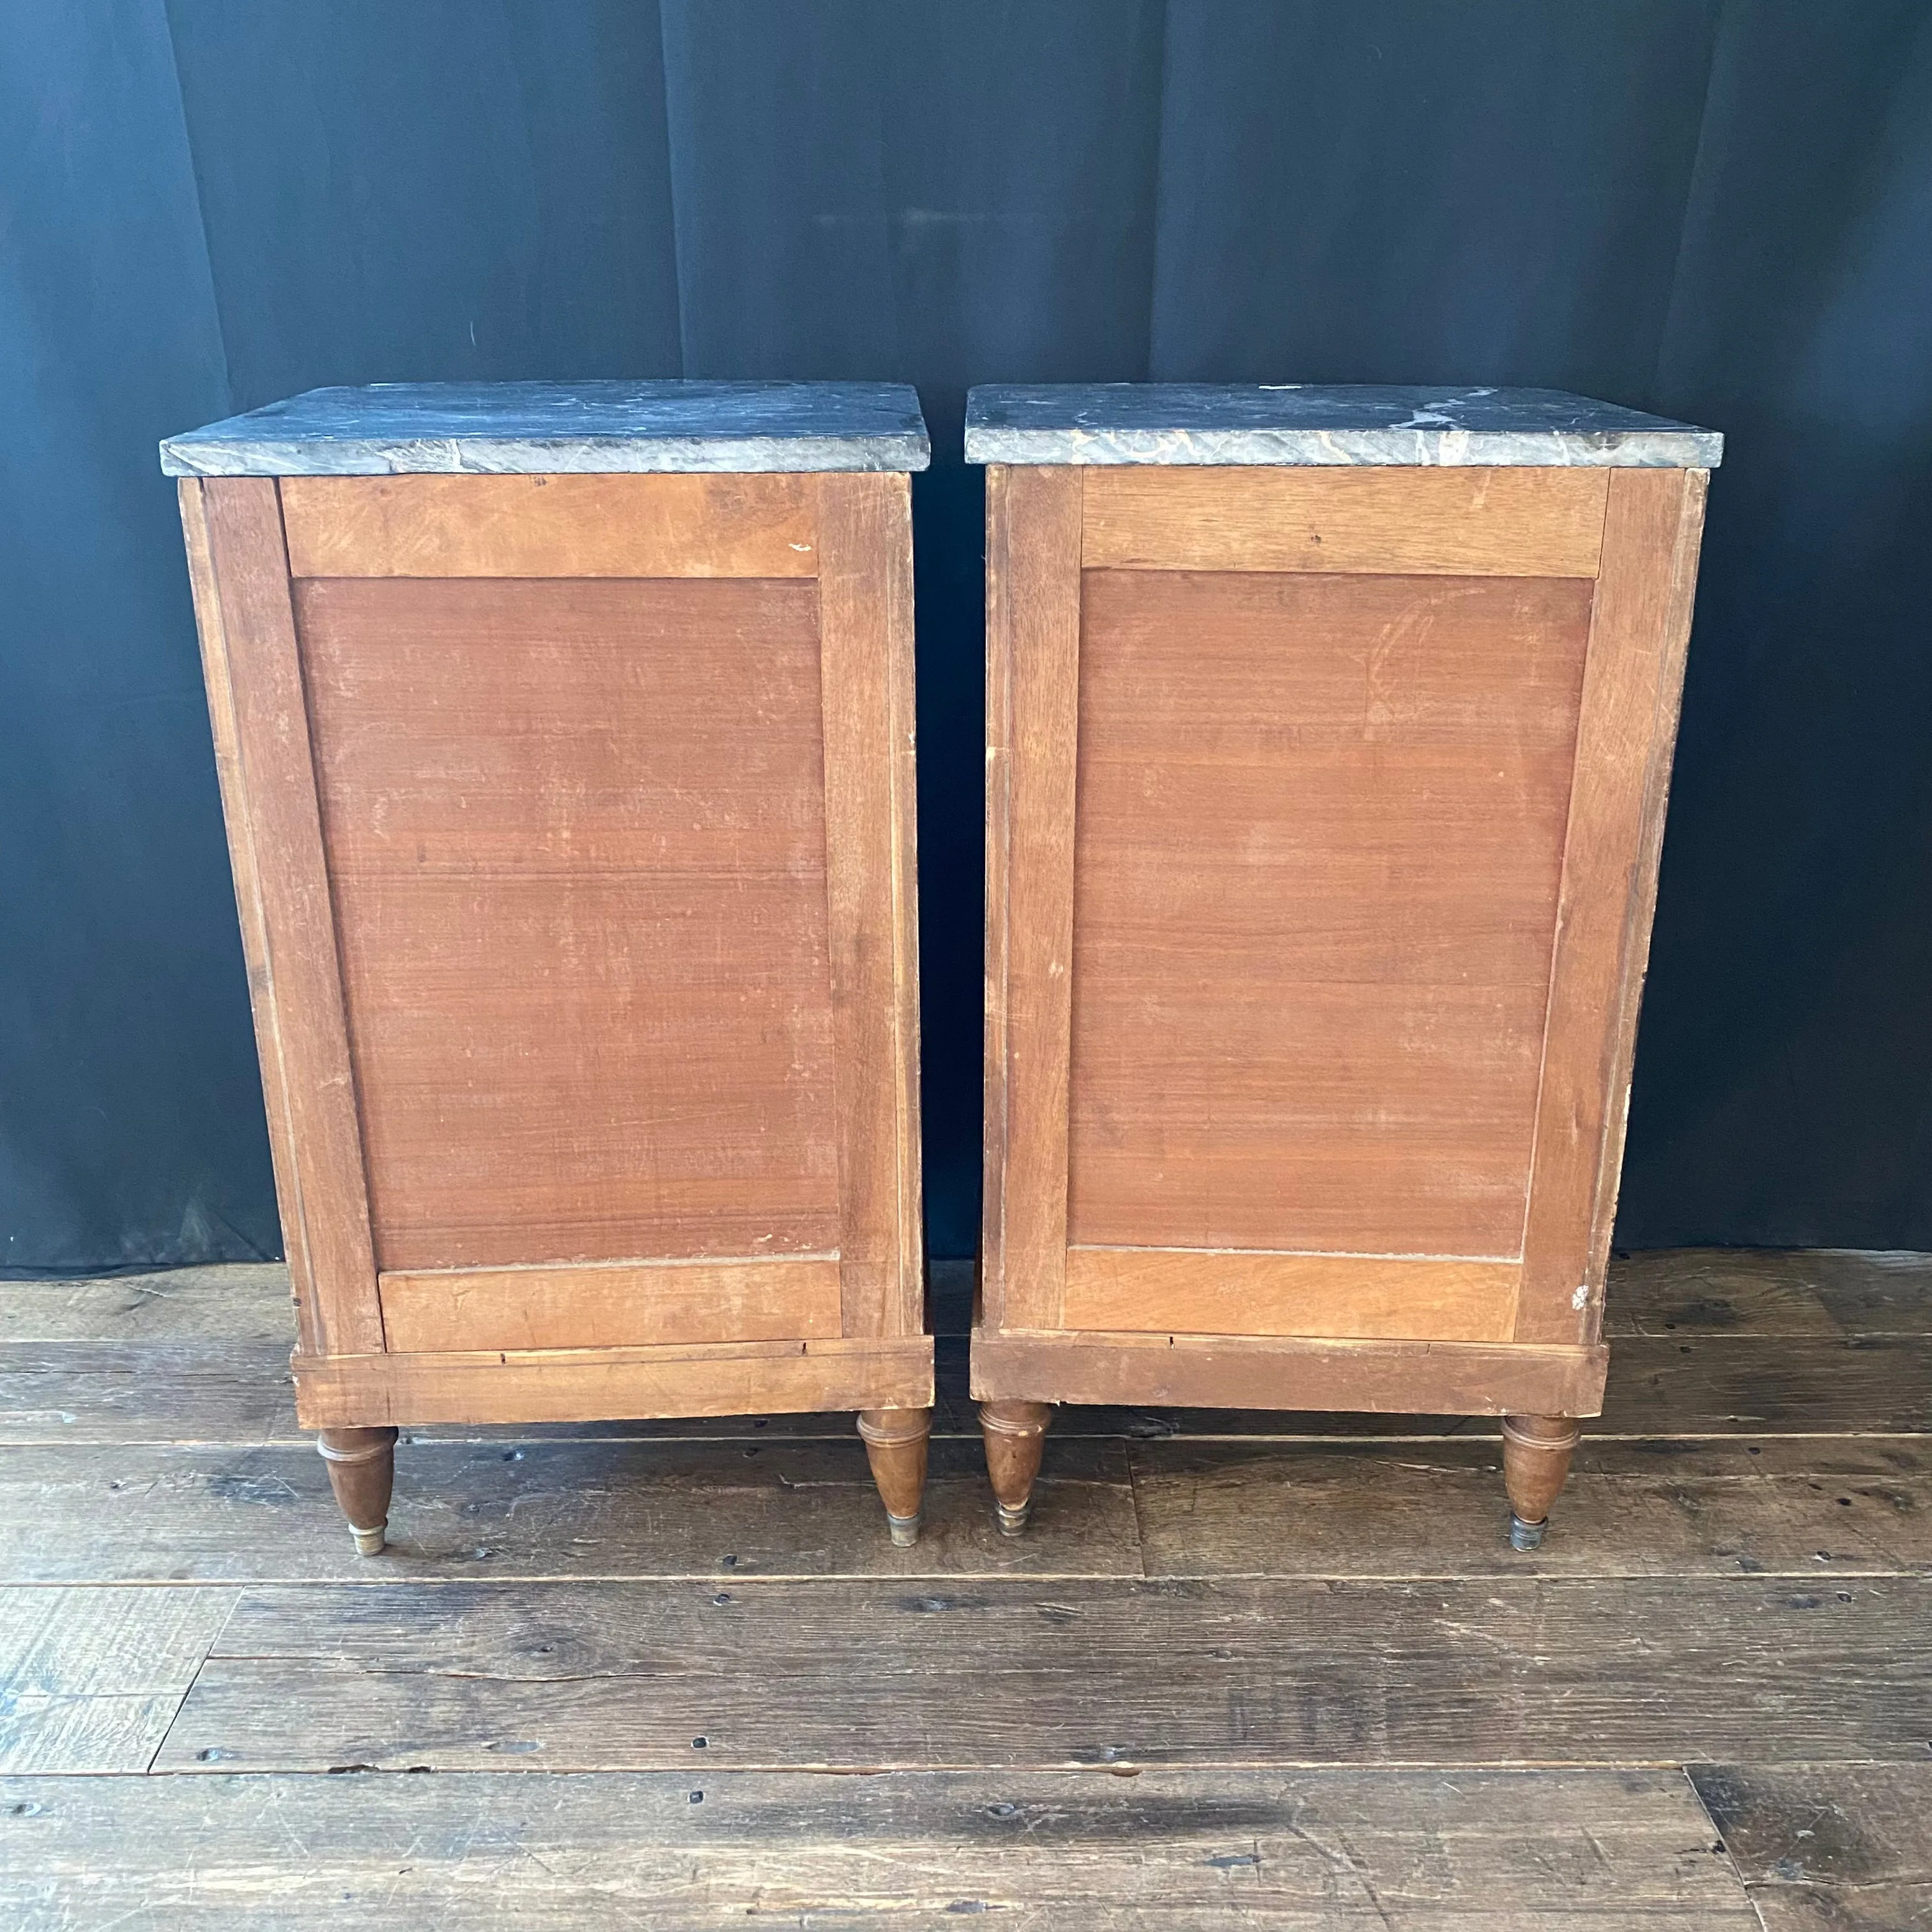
pixel 565 736
pixel 1328 734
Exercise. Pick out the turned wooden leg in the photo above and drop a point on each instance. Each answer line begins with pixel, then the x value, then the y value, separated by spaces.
pixel 1536 1458
pixel 1016 1433
pixel 896 1447
pixel 362 1472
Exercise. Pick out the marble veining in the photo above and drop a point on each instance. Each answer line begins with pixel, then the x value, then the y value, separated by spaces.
pixel 1311 423
pixel 562 428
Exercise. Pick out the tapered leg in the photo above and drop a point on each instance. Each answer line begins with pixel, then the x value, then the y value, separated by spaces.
pixel 362 1472
pixel 1537 1450
pixel 1016 1433
pixel 896 1447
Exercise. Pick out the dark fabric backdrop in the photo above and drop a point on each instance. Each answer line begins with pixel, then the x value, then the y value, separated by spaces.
pixel 1716 208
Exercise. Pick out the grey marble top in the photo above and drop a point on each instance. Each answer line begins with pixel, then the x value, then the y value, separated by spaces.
pixel 558 428
pixel 1295 423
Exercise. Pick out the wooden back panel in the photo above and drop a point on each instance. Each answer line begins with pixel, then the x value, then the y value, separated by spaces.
pixel 576 836
pixel 1319 838
pixel 604 936
pixel 1323 821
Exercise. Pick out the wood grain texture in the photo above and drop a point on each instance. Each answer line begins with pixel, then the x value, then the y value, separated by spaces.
pixel 1287 1371
pixel 1809 1508
pixel 1033 654
pixel 770 1506
pixel 238 818
pixel 1841 1845
pixel 865 632
pixel 1320 831
pixel 1676 1386
pixel 1535 1671
pixel 1749 1384
pixel 1233 1292
pixel 226 1304
pixel 1640 912
pixel 273 781
pixel 1662 1389
pixel 546 1510
pixel 509 527
pixel 146 1391
pixel 1312 1118
pixel 1639 629
pixel 1749 1291
pixel 611 1305
pixel 90 1680
pixel 570 1385
pixel 1715 1292
pixel 987 1297
pixel 1754 1598
pixel 107 1392
pixel 149 1393
pixel 1306 1851
pixel 1477 523
pixel 578 844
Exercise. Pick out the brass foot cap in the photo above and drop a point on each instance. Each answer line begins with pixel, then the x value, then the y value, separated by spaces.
pixel 1013 1517
pixel 370 1542
pixel 1525 1535
pixel 904 1529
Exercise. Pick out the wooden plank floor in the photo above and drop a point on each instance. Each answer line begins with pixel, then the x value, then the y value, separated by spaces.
pixel 1246 1668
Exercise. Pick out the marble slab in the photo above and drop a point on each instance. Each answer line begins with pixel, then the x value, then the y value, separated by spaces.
pixel 1297 423
pixel 563 428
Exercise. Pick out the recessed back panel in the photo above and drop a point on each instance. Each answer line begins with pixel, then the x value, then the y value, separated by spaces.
pixel 1319 833
pixel 575 834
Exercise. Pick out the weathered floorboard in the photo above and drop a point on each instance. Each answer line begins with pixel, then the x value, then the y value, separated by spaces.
pixel 1770 1292
pixel 1702 1346
pixel 1750 1385
pixel 1331 1589
pixel 227 1303
pixel 1808 1506
pixel 90 1392
pixel 1603 1851
pixel 146 1391
pixel 545 1510
pixel 1844 1846
pixel 877 1674
pixel 90 1679
pixel 1659 1385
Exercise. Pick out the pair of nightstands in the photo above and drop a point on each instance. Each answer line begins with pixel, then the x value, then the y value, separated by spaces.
pixel 566 744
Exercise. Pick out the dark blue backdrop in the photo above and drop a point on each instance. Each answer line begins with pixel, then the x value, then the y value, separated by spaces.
pixel 1720 211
